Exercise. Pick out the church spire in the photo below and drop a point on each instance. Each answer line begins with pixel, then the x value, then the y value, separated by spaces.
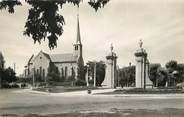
pixel 78 41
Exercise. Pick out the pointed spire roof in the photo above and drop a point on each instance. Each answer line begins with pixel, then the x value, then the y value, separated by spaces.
pixel 78 41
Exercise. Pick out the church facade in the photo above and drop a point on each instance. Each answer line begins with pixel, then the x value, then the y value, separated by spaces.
pixel 67 64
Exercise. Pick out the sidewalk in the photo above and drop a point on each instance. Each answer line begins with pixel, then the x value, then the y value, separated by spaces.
pixel 98 92
pixel 83 93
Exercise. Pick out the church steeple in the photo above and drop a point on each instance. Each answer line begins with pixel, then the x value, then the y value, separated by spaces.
pixel 78 41
pixel 78 51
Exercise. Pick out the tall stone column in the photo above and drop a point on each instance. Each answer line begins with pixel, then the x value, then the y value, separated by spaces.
pixel 142 68
pixel 110 80
pixel 139 79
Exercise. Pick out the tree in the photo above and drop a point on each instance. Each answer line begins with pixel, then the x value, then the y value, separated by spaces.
pixel 53 74
pixel 154 75
pixel 44 21
pixel 180 75
pixel 38 77
pixel 8 75
pixel 171 66
pixel 127 76
pixel 162 77
pixel 100 71
pixel 1 73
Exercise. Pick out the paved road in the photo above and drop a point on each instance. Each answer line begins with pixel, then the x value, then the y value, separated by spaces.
pixel 20 102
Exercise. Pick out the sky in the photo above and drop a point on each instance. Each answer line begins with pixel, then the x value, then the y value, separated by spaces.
pixel 159 23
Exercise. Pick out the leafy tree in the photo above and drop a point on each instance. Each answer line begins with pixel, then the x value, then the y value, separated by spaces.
pixel 154 75
pixel 171 66
pixel 44 21
pixel 127 76
pixel 8 75
pixel 53 74
pixel 71 79
pixel 100 71
pixel 180 76
pixel 9 4
pixel 162 77
pixel 38 77
pixel 98 3
pixel 81 69
pixel 1 73
pixel 80 82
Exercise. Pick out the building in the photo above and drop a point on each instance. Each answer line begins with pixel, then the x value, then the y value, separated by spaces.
pixel 67 64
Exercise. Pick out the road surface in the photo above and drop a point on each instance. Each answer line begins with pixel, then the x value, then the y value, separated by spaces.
pixel 21 102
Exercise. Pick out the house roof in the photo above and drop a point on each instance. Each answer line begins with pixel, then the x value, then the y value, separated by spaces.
pixel 63 57
pixel 46 55
pixel 31 59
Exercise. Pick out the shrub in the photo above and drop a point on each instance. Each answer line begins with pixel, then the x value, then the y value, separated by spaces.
pixel 15 86
pixel 80 83
pixel 6 85
pixel 71 78
pixel 23 85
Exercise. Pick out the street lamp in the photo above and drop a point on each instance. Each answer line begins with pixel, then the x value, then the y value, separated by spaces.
pixel 87 74
pixel 33 77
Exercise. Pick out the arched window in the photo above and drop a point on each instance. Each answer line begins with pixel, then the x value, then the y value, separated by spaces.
pixel 40 71
pixel 37 71
pixel 72 71
pixel 62 72
pixel 66 71
pixel 76 47
pixel 43 73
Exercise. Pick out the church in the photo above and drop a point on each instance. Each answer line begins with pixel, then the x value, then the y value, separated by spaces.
pixel 67 64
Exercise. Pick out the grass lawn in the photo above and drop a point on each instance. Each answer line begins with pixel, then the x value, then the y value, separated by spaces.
pixel 146 91
pixel 61 89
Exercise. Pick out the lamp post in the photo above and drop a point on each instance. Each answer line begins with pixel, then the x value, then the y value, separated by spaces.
pixel 87 74
pixel 33 77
